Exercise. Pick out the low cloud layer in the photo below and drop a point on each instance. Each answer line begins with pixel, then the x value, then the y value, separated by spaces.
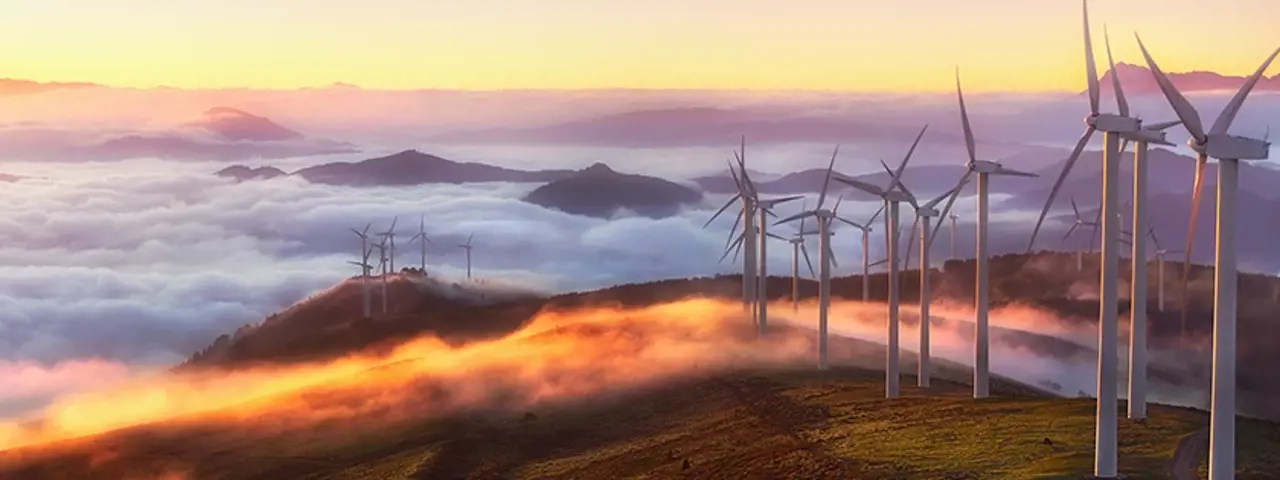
pixel 141 263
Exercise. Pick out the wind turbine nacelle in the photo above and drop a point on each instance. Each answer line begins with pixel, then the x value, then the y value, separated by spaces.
pixel 897 196
pixel 1233 147
pixel 1108 122
pixel 927 212
pixel 984 166
pixel 1149 136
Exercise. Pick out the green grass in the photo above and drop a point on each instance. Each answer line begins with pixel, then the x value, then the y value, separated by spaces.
pixel 780 424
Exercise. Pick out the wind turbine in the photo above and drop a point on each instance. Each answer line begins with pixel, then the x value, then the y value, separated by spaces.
pixel 1160 253
pixel 1113 127
pixel 391 234
pixel 1229 150
pixel 797 249
pixel 923 214
pixel 746 216
pixel 365 251
pixel 866 254
pixel 423 239
pixel 892 195
pixel 467 246
pixel 823 217
pixel 1079 222
pixel 984 169
pixel 365 268
pixel 765 207
pixel 953 218
pixel 382 265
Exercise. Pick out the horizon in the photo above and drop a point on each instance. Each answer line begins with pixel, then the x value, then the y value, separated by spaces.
pixel 582 47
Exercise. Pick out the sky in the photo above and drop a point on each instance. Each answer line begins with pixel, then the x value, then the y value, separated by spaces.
pixel 903 45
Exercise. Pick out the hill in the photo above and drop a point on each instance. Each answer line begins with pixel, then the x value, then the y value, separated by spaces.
pixel 242 173
pixel 411 167
pixel 1138 79
pixel 599 191
pixel 238 125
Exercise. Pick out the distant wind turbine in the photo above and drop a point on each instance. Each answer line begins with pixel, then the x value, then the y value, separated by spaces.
pixel 953 218
pixel 797 249
pixel 423 239
pixel 365 251
pixel 382 265
pixel 467 246
pixel 923 214
pixel 1229 150
pixel 892 195
pixel 390 234
pixel 1159 254
pixel 1079 222
pixel 984 169
pixel 746 217
pixel 823 217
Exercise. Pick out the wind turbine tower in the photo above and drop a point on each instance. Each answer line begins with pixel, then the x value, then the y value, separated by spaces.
pixel 391 235
pixel 467 246
pixel 1229 150
pixel 923 214
pixel 365 251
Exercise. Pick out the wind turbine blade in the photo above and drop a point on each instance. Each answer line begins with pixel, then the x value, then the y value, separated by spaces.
pixel 1074 208
pixel 357 232
pixel 1091 68
pixel 860 185
pixel 1124 143
pixel 836 208
pixel 822 197
pixel 805 252
pixel 366 228
pixel 897 176
pixel 775 237
pixel 1097 221
pixel 1003 170
pixel 1069 232
pixel 878 262
pixel 877 214
pixel 1151 232
pixel 469 237
pixel 393 223
pixel 733 172
pixel 804 207
pixel 731 248
pixel 1057 184
pixel 950 202
pixel 1121 103
pixel 1196 190
pixel 792 218
pixel 1228 114
pixel 901 186
pixel 832 254
pixel 964 120
pixel 1163 125
pixel 947 194
pixel 850 223
pixel 911 238
pixel 1186 112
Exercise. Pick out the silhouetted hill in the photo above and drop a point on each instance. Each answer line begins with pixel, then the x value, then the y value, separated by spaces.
pixel 238 125
pixel 241 172
pixel 412 167
pixel 1138 79
pixel 599 191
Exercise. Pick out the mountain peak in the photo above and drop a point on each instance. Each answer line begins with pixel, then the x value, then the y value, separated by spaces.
pixel 598 168
pixel 238 125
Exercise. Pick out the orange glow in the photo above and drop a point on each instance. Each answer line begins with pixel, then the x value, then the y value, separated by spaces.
pixel 558 356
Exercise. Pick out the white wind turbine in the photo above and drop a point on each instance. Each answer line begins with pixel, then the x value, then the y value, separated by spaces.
pixel 1159 254
pixel 382 265
pixel 1113 126
pixel 423 239
pixel 953 218
pixel 866 254
pixel 892 195
pixel 823 217
pixel 923 214
pixel 391 235
pixel 797 249
pixel 746 217
pixel 365 251
pixel 365 268
pixel 984 169
pixel 1229 150
pixel 467 246
pixel 1079 222
pixel 764 207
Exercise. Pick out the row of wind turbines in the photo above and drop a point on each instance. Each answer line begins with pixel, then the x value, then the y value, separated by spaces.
pixel 1119 129
pixel 386 266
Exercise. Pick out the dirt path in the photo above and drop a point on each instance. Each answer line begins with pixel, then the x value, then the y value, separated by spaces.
pixel 1186 457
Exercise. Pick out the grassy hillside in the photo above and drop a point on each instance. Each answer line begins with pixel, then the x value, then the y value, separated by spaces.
pixel 763 424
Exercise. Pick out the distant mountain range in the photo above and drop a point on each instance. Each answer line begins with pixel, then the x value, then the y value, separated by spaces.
pixel 1139 79
pixel 411 167
pixel 238 125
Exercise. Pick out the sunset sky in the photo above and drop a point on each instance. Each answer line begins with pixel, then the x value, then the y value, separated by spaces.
pixel 492 44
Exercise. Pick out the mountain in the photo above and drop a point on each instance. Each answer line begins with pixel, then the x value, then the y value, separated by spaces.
pixel 11 86
pixel 922 180
pixel 599 191
pixel 1139 79
pixel 238 125
pixel 411 167
pixel 241 172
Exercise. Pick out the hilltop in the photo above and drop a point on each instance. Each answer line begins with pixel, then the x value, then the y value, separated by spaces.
pixel 412 167
pixel 599 191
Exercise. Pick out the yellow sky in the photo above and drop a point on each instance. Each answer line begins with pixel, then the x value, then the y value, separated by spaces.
pixel 897 45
